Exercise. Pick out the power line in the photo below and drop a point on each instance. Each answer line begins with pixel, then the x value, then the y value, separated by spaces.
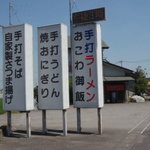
pixel 136 61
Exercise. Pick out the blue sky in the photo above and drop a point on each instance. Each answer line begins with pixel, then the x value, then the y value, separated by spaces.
pixel 126 29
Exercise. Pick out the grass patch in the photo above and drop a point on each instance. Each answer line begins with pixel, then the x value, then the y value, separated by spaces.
pixel 1 107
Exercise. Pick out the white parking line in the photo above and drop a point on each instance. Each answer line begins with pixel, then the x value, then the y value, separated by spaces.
pixel 147 116
pixel 145 128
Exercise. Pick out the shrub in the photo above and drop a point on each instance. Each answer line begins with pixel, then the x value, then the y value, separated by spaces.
pixel 1 107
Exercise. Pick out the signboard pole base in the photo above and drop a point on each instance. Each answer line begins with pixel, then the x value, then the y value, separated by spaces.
pixel 44 121
pixel 78 120
pixel 9 125
pixel 65 122
pixel 28 124
pixel 99 114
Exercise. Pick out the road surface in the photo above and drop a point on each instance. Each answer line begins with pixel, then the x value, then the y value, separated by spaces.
pixel 125 127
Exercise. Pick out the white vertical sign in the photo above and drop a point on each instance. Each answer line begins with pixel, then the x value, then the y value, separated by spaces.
pixel 53 67
pixel 18 68
pixel 87 66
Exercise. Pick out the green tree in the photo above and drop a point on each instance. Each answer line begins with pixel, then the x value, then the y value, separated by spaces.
pixel 1 107
pixel 140 81
pixel 36 92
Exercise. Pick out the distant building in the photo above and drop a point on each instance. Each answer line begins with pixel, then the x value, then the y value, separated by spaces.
pixel 118 83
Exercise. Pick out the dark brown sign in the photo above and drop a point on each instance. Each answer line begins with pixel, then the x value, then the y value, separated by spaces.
pixel 89 16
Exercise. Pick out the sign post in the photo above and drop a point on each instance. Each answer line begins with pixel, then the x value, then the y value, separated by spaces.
pixel 44 121
pixel 9 123
pixel 87 68
pixel 18 69
pixel 64 122
pixel 53 69
pixel 99 113
pixel 28 124
pixel 78 120
pixel 80 18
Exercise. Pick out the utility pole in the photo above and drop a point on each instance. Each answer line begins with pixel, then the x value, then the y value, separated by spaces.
pixel 10 12
pixel 70 15
pixel 121 62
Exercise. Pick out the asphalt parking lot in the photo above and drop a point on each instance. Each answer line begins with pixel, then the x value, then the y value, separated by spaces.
pixel 125 127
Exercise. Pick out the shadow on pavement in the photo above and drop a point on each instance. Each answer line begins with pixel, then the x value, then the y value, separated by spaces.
pixel 50 132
